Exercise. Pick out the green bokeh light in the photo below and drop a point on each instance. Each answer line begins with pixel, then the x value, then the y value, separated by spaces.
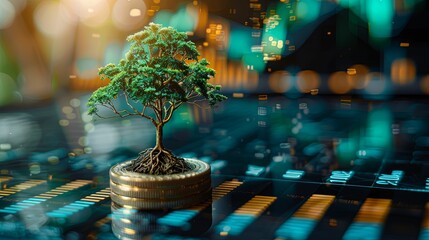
pixel 239 43
pixel 379 132
pixel 380 14
pixel 254 61
pixel 163 17
pixel 184 20
pixel 275 30
pixel 308 10
pixel 113 53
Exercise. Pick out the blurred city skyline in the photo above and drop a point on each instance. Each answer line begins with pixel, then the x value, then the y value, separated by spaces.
pixel 289 47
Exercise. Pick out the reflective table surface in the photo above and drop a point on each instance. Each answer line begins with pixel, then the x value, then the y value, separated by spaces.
pixel 310 167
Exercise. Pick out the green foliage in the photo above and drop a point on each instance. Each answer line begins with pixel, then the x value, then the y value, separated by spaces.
pixel 160 71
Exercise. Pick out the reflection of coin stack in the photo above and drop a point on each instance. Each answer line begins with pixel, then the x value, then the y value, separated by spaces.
pixel 130 223
pixel 144 191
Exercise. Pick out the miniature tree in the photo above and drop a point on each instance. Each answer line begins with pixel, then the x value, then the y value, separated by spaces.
pixel 160 73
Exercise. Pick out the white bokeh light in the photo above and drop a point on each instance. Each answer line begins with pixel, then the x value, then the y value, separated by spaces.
pixel 7 14
pixel 128 15
pixel 92 13
pixel 52 18
pixel 19 4
pixel 104 138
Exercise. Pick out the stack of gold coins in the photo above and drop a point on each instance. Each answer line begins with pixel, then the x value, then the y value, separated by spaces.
pixel 128 223
pixel 145 191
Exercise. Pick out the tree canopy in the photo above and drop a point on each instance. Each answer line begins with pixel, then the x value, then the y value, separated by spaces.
pixel 161 71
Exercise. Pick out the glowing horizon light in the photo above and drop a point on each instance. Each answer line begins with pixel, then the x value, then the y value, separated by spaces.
pixel 7 14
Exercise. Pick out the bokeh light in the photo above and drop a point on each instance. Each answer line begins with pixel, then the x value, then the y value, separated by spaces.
pixel 52 18
pixel 185 19
pixel 338 83
pixel 92 13
pixel 254 61
pixel 18 4
pixel 377 83
pixel 275 31
pixel 380 14
pixel 424 84
pixel 128 15
pixel 86 68
pixel 19 131
pixel 308 10
pixel 280 81
pixel 113 53
pixel 104 138
pixel 379 129
pixel 308 80
pixel 403 71
pixel 239 43
pixel 7 14
pixel 163 17
pixel 357 76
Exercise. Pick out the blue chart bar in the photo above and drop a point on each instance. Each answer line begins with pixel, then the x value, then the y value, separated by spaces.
pixel 15 208
pixel 235 224
pixel 241 218
pixel 366 231
pixel 303 221
pixel 179 218
pixel 70 209
pixel 424 234
pixel 368 223
pixel 296 228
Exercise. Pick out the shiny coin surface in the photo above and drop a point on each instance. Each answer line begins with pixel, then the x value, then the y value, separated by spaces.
pixel 176 191
pixel 140 203
pixel 199 172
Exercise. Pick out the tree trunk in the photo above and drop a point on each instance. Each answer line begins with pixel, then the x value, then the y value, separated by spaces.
pixel 159 132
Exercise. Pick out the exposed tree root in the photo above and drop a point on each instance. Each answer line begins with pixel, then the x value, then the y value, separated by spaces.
pixel 158 162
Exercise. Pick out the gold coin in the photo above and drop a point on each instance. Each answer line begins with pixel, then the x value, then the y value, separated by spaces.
pixel 176 191
pixel 140 203
pixel 199 172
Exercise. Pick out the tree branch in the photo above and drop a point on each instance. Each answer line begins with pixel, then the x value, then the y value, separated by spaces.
pixel 147 116
pixel 169 112
pixel 121 114
pixel 129 105
pixel 198 105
